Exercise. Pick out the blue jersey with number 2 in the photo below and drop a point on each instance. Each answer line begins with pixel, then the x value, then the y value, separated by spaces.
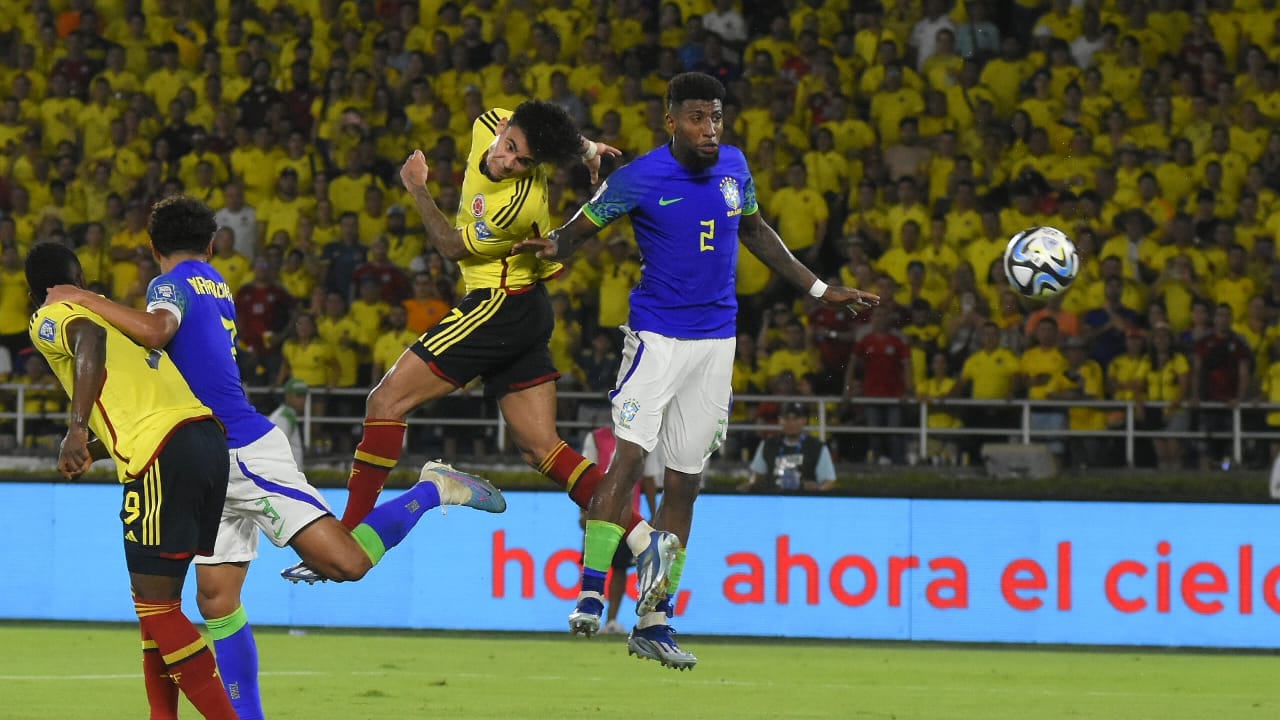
pixel 686 224
pixel 204 347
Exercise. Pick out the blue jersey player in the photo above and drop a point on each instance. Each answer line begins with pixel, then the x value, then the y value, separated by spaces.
pixel 690 202
pixel 190 312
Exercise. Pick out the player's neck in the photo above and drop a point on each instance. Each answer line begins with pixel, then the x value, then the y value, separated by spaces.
pixel 169 262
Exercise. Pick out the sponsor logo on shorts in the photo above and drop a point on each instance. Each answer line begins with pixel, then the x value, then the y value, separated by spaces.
pixel 47 330
pixel 628 413
pixel 277 523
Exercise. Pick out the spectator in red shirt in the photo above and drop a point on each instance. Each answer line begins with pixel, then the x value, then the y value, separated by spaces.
pixel 832 330
pixel 1219 373
pixel 393 281
pixel 882 359
pixel 263 309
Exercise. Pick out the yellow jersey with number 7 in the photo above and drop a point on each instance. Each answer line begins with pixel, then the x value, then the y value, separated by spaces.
pixel 144 397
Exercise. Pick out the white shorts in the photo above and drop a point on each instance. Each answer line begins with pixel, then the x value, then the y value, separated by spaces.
pixel 266 491
pixel 674 394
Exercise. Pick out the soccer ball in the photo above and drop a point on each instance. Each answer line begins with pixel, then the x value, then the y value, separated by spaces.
pixel 1041 262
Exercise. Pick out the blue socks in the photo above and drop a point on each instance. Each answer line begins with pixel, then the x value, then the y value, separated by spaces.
pixel 237 654
pixel 593 580
pixel 391 522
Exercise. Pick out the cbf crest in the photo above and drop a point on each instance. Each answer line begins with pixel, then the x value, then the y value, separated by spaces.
pixel 732 196
pixel 628 413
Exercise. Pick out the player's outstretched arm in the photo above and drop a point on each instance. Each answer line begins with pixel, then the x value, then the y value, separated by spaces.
pixel 150 329
pixel 444 237
pixel 561 242
pixel 88 343
pixel 764 243
pixel 593 152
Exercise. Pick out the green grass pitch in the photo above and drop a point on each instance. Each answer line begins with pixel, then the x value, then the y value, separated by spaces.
pixel 91 672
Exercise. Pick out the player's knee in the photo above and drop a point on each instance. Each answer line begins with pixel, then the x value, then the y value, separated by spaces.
pixel 216 604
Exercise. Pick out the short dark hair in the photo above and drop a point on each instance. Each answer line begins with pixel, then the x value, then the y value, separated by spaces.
pixel 49 264
pixel 693 86
pixel 551 133
pixel 181 224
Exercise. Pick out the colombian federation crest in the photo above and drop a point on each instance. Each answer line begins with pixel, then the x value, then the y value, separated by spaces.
pixel 732 197
pixel 477 205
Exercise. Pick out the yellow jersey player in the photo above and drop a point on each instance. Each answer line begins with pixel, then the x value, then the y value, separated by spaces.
pixel 171 457
pixel 499 331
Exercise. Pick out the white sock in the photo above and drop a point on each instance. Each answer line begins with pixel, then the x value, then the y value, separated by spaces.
pixel 638 538
pixel 651 619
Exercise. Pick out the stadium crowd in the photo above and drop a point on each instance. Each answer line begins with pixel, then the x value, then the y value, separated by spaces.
pixel 896 148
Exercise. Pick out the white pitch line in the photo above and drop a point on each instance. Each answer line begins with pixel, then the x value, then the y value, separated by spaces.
pixel 677 680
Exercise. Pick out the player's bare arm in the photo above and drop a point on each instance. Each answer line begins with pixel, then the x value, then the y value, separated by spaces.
pixel 763 242
pixel 561 242
pixel 444 237
pixel 152 329
pixel 88 343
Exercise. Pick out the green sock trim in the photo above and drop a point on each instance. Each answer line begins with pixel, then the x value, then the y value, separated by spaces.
pixel 601 543
pixel 224 627
pixel 370 542
pixel 677 569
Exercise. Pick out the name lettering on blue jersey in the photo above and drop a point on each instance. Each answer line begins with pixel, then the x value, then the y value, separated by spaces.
pixel 204 347
pixel 204 286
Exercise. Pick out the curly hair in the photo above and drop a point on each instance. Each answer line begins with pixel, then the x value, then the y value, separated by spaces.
pixel 49 264
pixel 550 132
pixel 693 86
pixel 181 224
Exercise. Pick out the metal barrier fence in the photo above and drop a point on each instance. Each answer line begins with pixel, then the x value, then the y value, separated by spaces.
pixel 821 416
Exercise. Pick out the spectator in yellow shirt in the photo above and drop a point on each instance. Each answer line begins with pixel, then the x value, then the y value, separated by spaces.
pixel 893 102
pixel 989 373
pixel 1040 369
pixel 1082 380
pixel 391 342
pixel 800 214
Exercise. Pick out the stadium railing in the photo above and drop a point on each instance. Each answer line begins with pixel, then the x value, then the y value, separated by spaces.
pixel 15 424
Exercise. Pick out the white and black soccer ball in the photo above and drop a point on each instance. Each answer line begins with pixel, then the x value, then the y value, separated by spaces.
pixel 1041 262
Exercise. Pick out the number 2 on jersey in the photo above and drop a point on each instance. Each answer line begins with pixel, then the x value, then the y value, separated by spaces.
pixel 707 236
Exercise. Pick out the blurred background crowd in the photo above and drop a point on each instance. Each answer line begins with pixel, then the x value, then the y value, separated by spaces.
pixel 896 147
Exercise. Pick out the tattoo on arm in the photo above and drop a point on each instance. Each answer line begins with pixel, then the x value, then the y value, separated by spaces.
pixel 764 243
pixel 446 239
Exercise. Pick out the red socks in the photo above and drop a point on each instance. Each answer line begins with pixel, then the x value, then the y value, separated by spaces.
pixel 185 656
pixel 162 694
pixel 579 476
pixel 376 456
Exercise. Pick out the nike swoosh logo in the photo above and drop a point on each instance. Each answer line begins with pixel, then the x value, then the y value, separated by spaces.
pixel 665 202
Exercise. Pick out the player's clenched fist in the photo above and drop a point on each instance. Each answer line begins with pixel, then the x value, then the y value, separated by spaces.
pixel 414 173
